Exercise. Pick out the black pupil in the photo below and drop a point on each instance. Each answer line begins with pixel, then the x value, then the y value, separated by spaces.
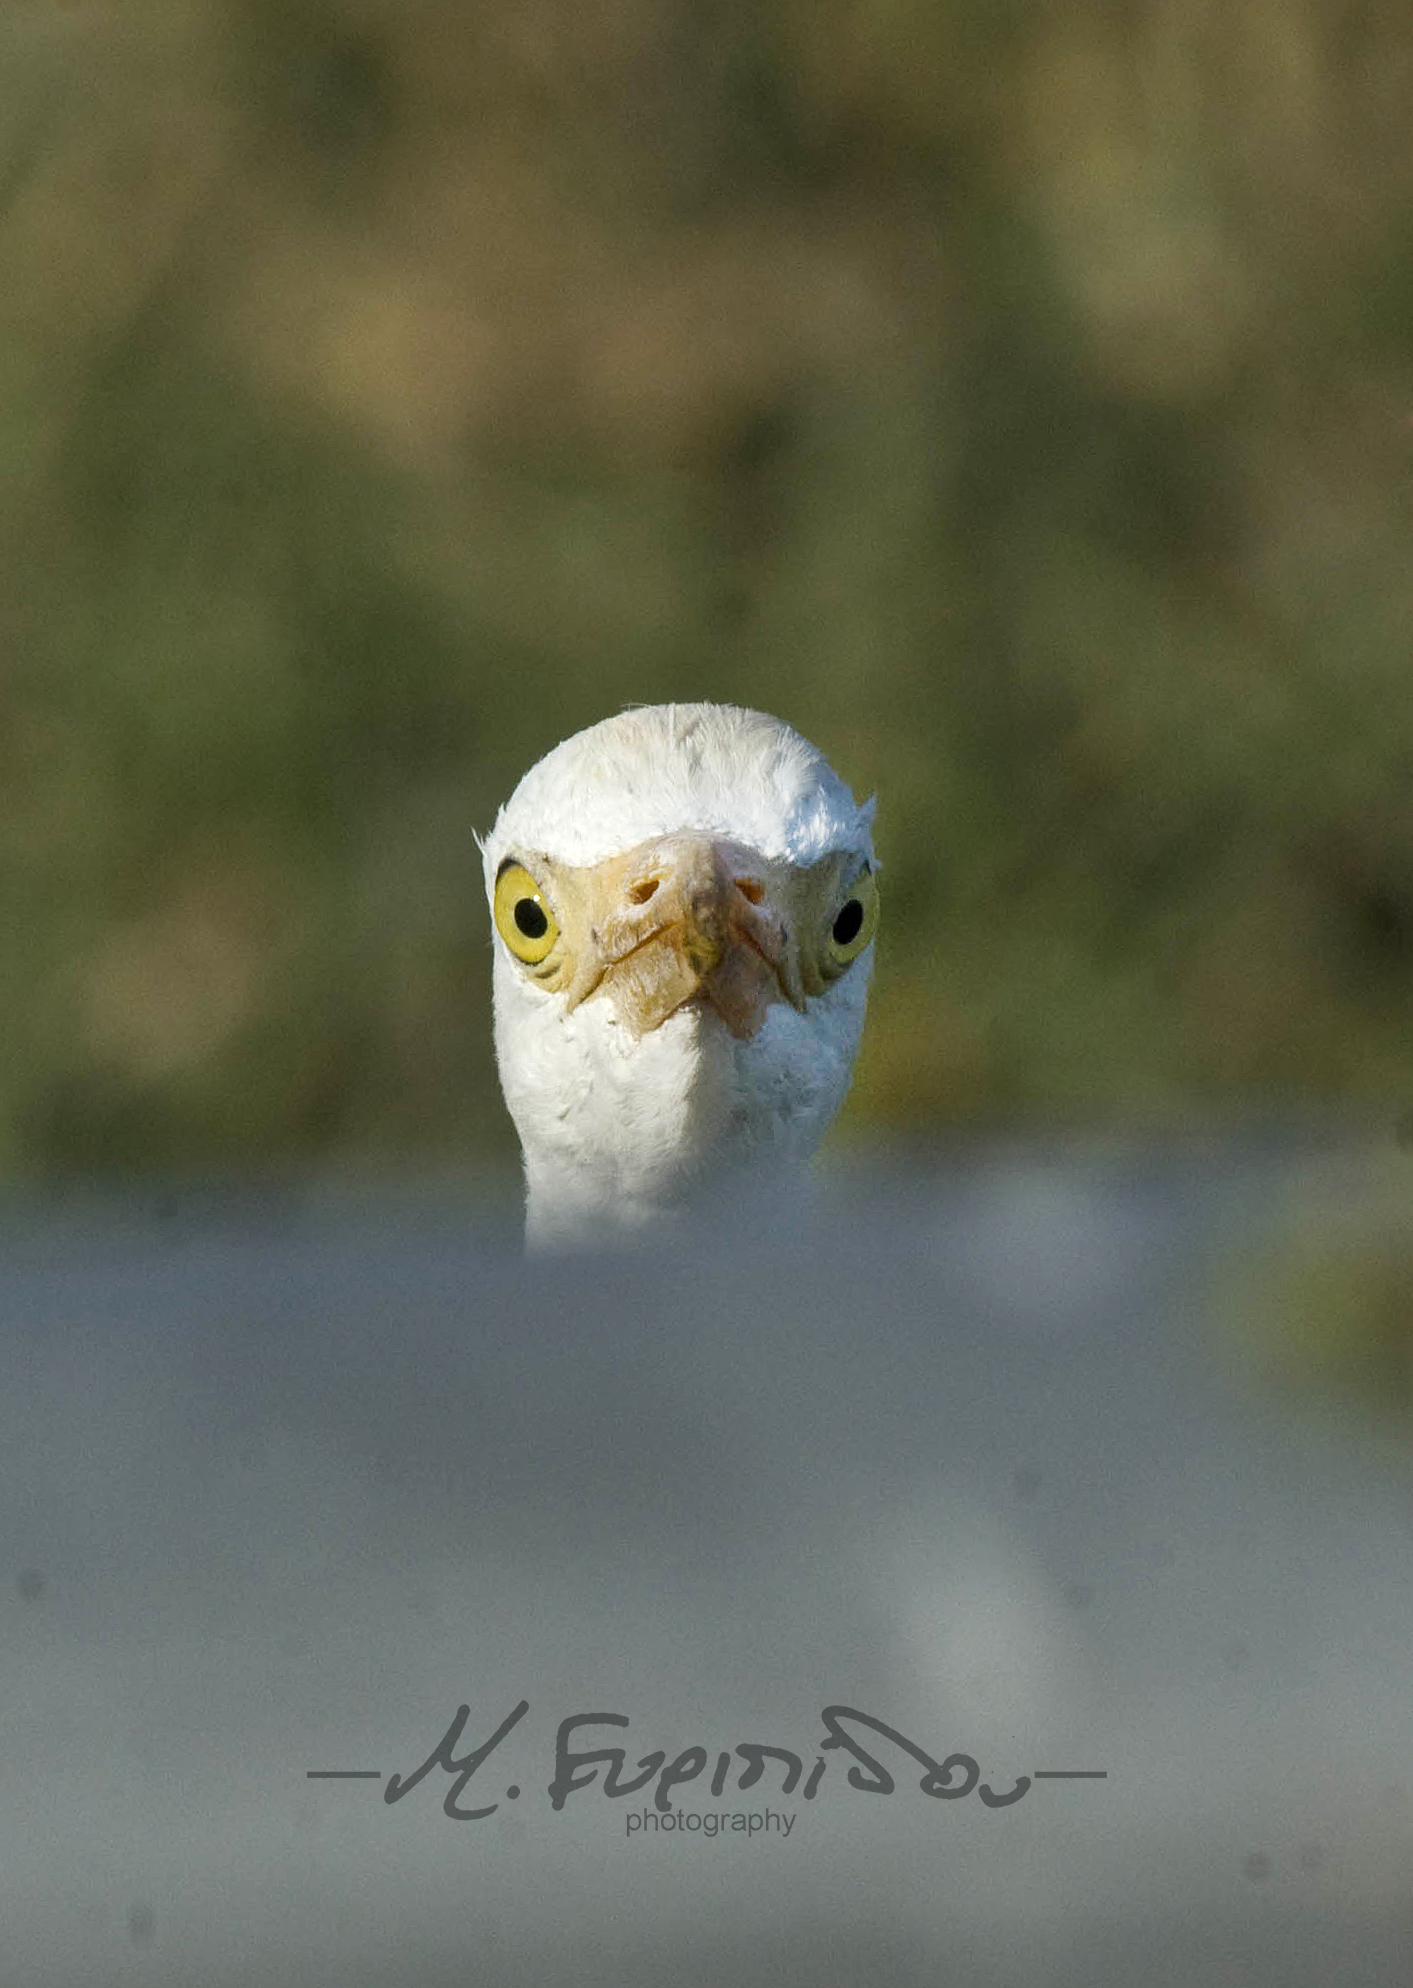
pixel 530 918
pixel 849 923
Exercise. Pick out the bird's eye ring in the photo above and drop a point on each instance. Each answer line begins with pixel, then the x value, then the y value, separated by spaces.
pixel 853 925
pixel 523 915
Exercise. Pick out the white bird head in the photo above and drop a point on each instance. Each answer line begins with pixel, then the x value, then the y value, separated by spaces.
pixel 684 903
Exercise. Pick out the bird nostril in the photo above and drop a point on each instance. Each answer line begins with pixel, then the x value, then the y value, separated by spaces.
pixel 640 892
pixel 750 889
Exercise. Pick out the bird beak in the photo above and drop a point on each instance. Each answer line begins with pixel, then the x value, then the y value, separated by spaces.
pixel 688 919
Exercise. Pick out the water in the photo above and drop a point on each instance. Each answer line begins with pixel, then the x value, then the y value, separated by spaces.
pixel 289 1478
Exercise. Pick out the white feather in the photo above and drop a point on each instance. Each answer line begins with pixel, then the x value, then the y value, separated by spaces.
pixel 708 767
pixel 619 1130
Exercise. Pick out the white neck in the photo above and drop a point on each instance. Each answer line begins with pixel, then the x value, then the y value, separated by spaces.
pixel 621 1134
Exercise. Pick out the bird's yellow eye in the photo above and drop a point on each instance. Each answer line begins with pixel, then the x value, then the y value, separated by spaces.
pixel 852 924
pixel 523 917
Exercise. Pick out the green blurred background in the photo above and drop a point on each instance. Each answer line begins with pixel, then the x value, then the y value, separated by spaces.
pixel 1018 399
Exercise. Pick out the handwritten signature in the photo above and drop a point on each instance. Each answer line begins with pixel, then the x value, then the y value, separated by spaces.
pixel 950 1779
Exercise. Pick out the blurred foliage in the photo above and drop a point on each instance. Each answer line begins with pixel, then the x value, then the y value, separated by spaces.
pixel 1019 399
pixel 1322 1300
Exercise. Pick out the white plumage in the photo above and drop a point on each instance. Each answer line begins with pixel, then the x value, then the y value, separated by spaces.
pixel 684 904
